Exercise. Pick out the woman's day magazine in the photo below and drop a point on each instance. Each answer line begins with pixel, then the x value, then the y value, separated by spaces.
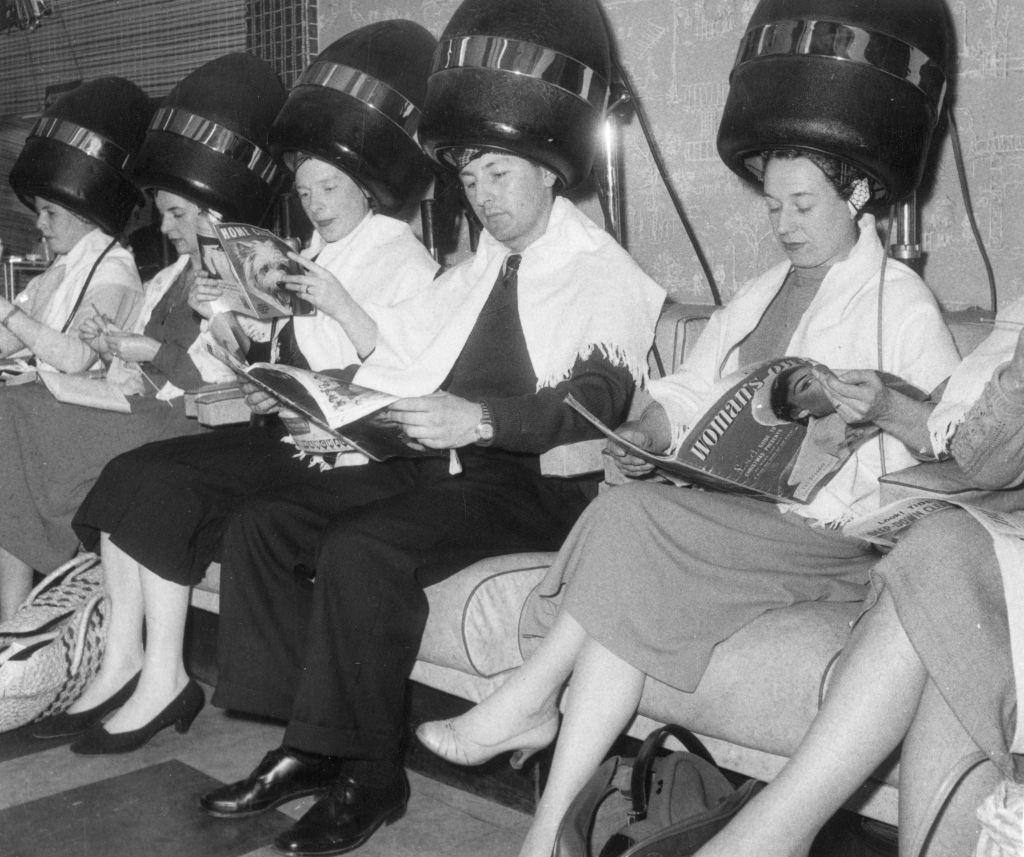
pixel 740 445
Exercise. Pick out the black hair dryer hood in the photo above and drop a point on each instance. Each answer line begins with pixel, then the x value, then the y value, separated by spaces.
pixel 861 80
pixel 208 140
pixel 358 107
pixel 79 153
pixel 526 76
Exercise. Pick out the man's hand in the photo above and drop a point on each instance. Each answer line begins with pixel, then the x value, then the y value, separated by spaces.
pixel 438 421
pixel 259 401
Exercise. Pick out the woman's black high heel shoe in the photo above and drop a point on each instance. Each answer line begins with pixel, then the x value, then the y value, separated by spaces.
pixel 65 725
pixel 180 712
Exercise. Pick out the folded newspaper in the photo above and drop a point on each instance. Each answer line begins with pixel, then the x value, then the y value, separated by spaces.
pixel 324 413
pixel 252 263
pixel 771 434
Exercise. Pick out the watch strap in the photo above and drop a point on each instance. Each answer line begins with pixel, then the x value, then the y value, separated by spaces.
pixel 484 428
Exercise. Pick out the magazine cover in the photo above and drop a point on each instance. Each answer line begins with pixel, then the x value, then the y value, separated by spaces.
pixel 772 434
pixel 252 261
pixel 329 414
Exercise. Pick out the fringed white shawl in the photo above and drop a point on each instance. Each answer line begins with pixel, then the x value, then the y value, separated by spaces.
pixel 967 382
pixel 55 292
pixel 579 292
pixel 964 389
pixel 381 264
pixel 839 330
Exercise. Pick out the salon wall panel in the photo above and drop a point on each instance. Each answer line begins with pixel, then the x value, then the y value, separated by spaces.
pixel 151 42
pixel 679 53
pixel 154 43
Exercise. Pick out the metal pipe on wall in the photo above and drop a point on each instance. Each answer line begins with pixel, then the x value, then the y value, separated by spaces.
pixel 611 168
pixel 907 246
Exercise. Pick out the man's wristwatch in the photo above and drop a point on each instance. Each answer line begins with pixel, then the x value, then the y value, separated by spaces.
pixel 484 430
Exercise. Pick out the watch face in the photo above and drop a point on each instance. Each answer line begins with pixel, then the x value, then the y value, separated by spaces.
pixel 485 431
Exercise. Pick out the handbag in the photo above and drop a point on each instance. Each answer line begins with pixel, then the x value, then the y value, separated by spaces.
pixel 652 804
pixel 52 646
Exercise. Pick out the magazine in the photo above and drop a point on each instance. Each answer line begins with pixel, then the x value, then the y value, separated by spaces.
pixel 251 262
pixel 14 371
pixel 743 445
pixel 915 492
pixel 327 413
pixel 86 390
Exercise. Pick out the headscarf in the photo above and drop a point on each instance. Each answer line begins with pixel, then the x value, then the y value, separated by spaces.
pixel 457 158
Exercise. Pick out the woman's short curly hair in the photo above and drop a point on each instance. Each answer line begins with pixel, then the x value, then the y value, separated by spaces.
pixel 840 174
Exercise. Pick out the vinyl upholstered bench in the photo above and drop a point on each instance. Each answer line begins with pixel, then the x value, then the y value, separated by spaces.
pixel 758 696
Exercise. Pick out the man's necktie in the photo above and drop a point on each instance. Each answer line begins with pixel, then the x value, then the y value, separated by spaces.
pixel 510 271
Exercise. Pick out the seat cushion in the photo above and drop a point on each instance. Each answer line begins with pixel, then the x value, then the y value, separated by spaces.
pixel 474 615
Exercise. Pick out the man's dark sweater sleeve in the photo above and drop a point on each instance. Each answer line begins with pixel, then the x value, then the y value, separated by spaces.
pixel 539 421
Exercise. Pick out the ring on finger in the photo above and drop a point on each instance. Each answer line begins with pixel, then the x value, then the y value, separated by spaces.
pixel 307 289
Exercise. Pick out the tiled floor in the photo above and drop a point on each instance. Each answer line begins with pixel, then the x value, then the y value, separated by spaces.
pixel 56 804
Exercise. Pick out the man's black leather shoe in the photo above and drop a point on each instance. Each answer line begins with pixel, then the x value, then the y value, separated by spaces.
pixel 344 818
pixel 279 778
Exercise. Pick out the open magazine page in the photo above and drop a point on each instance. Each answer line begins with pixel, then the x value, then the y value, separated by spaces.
pixel 15 370
pixel 327 405
pixel 216 265
pixel 259 260
pixel 85 390
pixel 331 401
pixel 739 445
pixel 329 414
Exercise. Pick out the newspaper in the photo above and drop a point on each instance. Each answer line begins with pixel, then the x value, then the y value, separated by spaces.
pixel 251 262
pixel 741 445
pixel 915 492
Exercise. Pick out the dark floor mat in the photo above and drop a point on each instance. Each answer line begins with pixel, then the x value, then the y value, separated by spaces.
pixel 19 742
pixel 148 813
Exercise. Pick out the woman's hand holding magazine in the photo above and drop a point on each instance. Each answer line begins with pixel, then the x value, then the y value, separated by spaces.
pixel 651 432
pixel 204 292
pixel 630 465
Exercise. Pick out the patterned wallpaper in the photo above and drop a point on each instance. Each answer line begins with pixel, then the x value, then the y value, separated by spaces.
pixel 151 42
pixel 679 53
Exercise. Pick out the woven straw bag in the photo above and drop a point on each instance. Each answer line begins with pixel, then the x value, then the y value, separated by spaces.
pixel 53 645
pixel 1002 822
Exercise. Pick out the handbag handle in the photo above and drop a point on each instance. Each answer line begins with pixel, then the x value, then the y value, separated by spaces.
pixel 640 780
pixel 573 838
pixel 930 821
